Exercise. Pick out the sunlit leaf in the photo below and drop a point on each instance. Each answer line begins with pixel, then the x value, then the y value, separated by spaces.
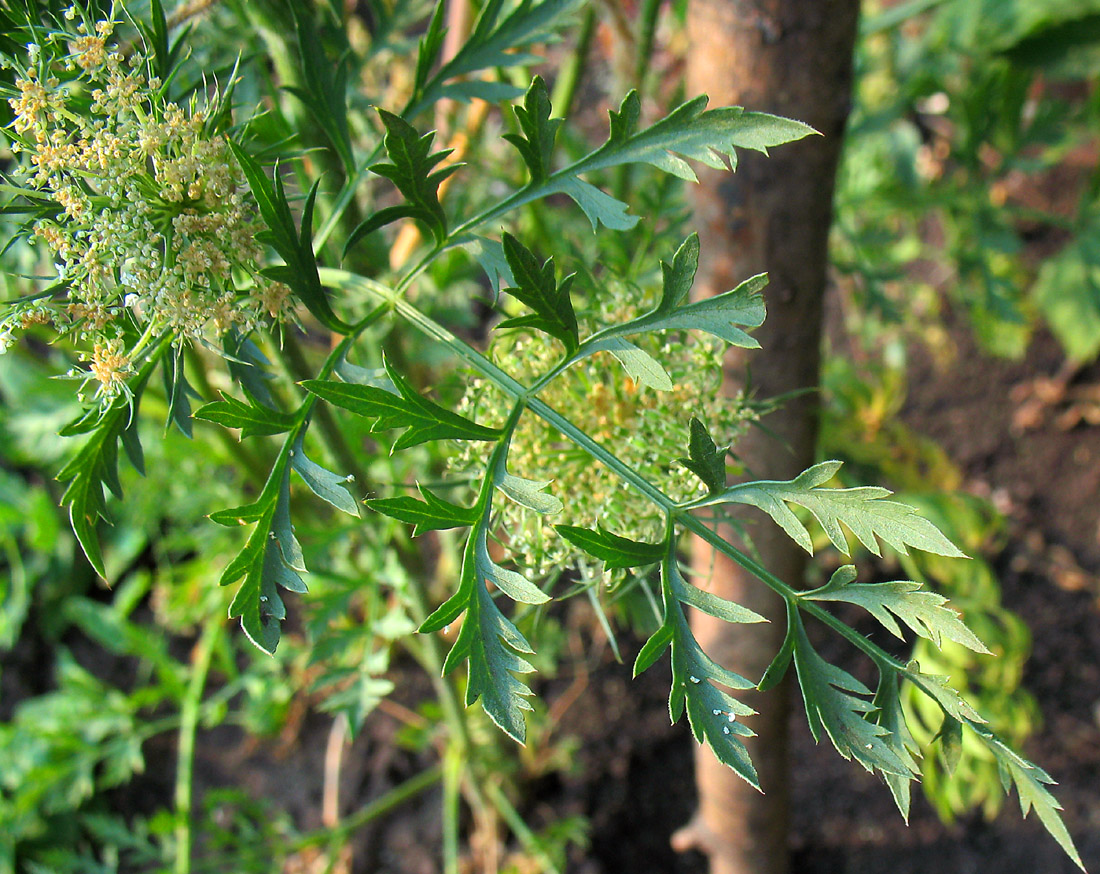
pixel 863 510
pixel 923 611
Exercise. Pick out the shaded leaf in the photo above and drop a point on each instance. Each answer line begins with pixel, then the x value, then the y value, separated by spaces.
pixel 248 366
pixel 614 551
pixel 836 706
pixel 706 461
pixel 950 738
pixel 939 689
pixel 264 564
pixel 714 715
pixel 324 94
pixel 538 131
pixel 295 248
pixel 491 644
pixel 493 647
pixel 95 464
pixel 653 649
pixel 536 286
pixel 496 41
pixel 490 255
pixel 424 420
pixel 889 714
pixel 1031 782
pixel 639 365
pixel 178 392
pixel 599 207
pixel 252 420
pixel 325 484
pixel 480 89
pixel 777 670
pixel 1067 291
pixel 431 514
pixel 412 169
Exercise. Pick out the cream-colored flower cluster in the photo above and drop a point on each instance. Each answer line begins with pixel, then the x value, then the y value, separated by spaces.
pixel 645 428
pixel 155 228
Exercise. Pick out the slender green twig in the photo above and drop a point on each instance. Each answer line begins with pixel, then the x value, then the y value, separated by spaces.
pixel 381 806
pixel 520 829
pixel 185 755
pixel 332 438
pixel 565 86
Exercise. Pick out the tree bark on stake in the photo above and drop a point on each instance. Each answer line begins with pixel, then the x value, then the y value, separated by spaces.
pixel 792 58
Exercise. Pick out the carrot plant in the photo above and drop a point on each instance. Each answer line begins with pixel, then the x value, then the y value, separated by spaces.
pixel 272 252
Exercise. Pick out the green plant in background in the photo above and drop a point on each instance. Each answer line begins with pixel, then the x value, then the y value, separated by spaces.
pixel 968 118
pixel 144 182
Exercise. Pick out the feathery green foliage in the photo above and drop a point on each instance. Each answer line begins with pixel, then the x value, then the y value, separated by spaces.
pixel 378 315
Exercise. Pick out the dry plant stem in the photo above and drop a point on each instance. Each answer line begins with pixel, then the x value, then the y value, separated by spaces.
pixel 334 751
pixel 792 58
pixel 459 17
pixel 186 11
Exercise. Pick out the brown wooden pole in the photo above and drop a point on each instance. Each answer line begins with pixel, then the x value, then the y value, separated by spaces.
pixel 791 58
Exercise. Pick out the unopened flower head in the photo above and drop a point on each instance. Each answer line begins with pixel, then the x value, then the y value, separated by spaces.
pixel 155 226
pixel 647 429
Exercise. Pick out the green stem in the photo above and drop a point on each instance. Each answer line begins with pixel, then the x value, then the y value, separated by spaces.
pixel 331 436
pixel 565 87
pixel 249 460
pixel 429 654
pixel 519 828
pixel 452 784
pixel 647 29
pixel 393 799
pixel 185 756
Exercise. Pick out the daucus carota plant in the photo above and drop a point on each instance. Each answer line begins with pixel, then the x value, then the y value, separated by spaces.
pixel 151 204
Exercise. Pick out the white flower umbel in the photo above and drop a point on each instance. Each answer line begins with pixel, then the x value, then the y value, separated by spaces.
pixel 155 226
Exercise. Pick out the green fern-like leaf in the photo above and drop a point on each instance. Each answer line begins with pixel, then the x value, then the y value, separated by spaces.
pixel 294 247
pixel 324 94
pixel 252 419
pixel 271 559
pixel 412 169
pixel 497 40
pixel 837 705
pixel 705 460
pixel 424 420
pixel 431 514
pixel 488 640
pixel 537 287
pixel 923 611
pixel 95 465
pixel 862 510
pixel 723 316
pixel 539 131
pixel 714 715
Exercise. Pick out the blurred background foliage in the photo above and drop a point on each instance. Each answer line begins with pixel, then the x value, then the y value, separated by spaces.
pixel 969 185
